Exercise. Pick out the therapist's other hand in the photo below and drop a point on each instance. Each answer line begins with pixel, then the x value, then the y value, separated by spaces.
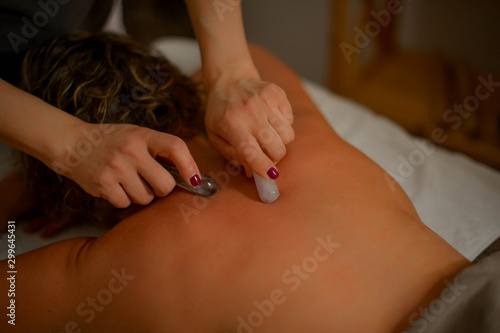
pixel 117 162
pixel 249 122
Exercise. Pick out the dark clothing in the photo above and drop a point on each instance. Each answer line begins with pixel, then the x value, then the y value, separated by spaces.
pixel 25 24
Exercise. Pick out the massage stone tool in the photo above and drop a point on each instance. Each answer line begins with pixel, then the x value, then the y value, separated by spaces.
pixel 207 187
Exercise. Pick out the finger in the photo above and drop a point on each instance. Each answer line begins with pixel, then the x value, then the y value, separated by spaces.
pixel 159 179
pixel 286 109
pixel 225 149
pixel 282 126
pixel 271 143
pixel 246 171
pixel 230 154
pixel 175 149
pixel 252 155
pixel 137 189
pixel 115 195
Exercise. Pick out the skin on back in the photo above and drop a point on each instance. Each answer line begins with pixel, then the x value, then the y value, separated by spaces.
pixel 341 250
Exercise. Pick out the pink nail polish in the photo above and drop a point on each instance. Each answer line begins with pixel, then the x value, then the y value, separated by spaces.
pixel 195 180
pixel 273 173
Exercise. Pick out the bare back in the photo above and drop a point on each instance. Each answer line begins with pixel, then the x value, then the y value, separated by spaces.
pixel 342 250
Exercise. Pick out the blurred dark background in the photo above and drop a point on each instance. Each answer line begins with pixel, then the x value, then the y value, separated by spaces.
pixel 297 31
pixel 149 19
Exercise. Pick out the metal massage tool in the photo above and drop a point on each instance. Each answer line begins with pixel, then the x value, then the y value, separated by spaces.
pixel 207 187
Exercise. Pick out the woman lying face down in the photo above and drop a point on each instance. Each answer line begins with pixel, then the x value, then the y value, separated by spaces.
pixel 341 250
pixel 102 78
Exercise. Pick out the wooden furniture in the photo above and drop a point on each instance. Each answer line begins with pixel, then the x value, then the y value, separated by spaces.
pixel 424 93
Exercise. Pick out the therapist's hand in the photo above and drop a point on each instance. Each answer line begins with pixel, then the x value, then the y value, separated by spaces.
pixel 249 122
pixel 117 162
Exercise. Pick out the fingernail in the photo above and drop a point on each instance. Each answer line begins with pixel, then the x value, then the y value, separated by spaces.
pixel 273 173
pixel 195 180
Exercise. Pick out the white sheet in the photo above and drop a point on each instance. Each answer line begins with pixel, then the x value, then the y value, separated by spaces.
pixel 455 196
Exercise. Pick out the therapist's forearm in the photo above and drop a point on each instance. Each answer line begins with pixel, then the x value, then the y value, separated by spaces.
pixel 33 126
pixel 222 38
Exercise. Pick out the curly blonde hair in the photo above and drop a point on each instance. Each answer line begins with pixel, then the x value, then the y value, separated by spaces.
pixel 103 78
